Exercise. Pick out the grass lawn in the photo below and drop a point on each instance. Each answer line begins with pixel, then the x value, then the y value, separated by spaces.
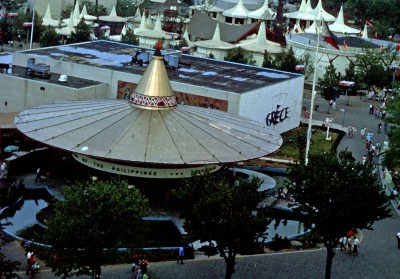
pixel 318 144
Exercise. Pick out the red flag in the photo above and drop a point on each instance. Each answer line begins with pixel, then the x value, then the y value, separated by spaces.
pixel 344 45
pixel 369 23
pixel 328 36
pixel 296 29
pixel 398 47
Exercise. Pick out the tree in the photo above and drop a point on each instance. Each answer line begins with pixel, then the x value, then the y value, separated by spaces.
pixel 107 215
pixel 337 194
pixel 125 8
pixel 223 209
pixel 372 68
pixel 129 38
pixel 81 33
pixel 391 156
pixel 284 61
pixel 240 55
pixel 330 82
pixel 49 37
pixel 7 267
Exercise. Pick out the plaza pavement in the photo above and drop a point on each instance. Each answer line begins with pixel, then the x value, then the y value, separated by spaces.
pixel 378 257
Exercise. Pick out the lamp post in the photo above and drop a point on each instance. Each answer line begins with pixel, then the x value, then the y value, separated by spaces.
pixel 344 115
pixel 347 84
pixel 394 69
pixel 328 122
pixel 33 23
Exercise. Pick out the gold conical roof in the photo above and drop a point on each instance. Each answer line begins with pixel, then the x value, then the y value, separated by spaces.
pixel 154 90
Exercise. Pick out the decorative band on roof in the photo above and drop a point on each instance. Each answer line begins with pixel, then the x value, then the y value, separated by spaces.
pixel 153 101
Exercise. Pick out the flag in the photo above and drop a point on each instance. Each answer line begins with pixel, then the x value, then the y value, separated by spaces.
pixel 398 47
pixel 328 36
pixel 369 23
pixel 344 45
pixel 296 29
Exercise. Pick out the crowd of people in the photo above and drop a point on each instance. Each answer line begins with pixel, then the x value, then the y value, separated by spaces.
pixel 349 243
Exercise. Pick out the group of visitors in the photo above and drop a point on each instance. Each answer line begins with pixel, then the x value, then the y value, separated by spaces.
pixel 139 268
pixel 33 266
pixel 350 243
pixel 283 194
pixel 379 112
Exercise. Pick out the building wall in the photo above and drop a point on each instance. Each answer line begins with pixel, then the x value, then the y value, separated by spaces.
pixel 278 106
pixel 21 93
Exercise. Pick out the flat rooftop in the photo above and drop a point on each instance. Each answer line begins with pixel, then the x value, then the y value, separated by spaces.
pixel 215 74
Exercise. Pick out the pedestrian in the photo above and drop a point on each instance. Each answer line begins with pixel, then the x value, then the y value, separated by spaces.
pixel 362 132
pixel 143 264
pixel 383 114
pixel 38 175
pixel 371 109
pixel 181 255
pixel 343 242
pixel 364 159
pixel 19 38
pixel 398 239
pixel 379 128
pixel 349 245
pixel 393 194
pixel 30 261
pixel 356 243
pixel 334 105
pixel 385 127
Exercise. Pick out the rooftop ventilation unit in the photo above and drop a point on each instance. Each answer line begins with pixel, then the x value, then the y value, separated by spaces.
pixel 63 78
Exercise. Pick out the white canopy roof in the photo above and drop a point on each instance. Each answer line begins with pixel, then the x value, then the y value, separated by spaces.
pixel 112 17
pixel 302 13
pixel 67 30
pixel 85 15
pixel 142 26
pixel 260 44
pixel 76 13
pixel 239 11
pixel 157 32
pixel 215 42
pixel 264 12
pixel 319 10
pixel 47 20
pixel 339 27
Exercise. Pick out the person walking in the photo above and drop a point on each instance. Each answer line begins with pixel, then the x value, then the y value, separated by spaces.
pixel 379 128
pixel 356 242
pixel 38 175
pixel 181 255
pixel 398 239
pixel 342 243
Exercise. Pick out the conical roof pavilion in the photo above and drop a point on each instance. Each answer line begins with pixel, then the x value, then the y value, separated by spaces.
pixel 263 13
pixel 47 19
pixel 238 11
pixel 339 27
pixel 149 134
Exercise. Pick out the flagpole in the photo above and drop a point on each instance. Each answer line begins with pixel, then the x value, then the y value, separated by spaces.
pixel 309 131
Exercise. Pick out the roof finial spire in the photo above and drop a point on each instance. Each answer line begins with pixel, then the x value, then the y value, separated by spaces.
pixel 158 47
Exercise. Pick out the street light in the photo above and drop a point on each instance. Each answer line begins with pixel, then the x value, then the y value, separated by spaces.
pixel 344 115
pixel 347 84
pixel 33 23
pixel 328 122
pixel 394 68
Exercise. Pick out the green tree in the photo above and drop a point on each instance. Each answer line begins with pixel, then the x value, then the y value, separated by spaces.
pixel 337 194
pixel 106 214
pixel 240 55
pixel 49 37
pixel 330 82
pixel 130 38
pixel 223 209
pixel 284 61
pixel 371 68
pixel 391 157
pixel 125 8
pixel 7 267
pixel 81 33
